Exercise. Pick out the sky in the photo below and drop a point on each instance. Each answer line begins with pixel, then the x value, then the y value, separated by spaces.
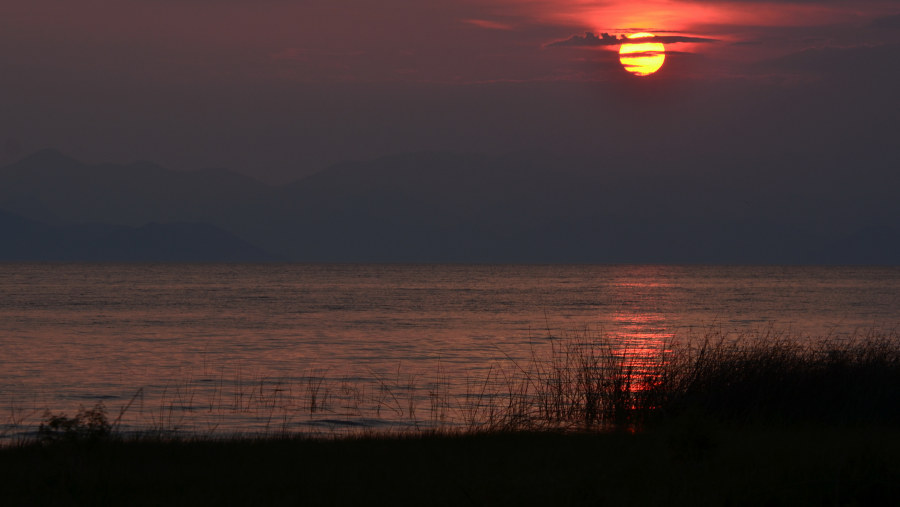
pixel 279 89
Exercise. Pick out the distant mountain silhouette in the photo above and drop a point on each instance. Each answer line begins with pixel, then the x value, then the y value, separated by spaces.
pixel 871 245
pixel 451 207
pixel 54 188
pixel 22 239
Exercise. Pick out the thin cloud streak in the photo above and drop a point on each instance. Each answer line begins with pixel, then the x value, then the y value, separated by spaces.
pixel 590 39
pixel 487 24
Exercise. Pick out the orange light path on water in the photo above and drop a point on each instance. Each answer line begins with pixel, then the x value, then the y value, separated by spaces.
pixel 642 58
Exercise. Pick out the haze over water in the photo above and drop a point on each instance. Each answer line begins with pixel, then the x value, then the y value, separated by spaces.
pixel 220 347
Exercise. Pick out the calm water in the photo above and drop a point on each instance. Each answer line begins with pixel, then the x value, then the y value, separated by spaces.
pixel 260 348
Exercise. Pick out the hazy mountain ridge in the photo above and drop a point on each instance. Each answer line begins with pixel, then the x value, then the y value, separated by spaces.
pixel 450 207
pixel 55 188
pixel 29 240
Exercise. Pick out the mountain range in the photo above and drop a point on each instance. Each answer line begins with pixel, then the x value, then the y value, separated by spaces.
pixel 448 207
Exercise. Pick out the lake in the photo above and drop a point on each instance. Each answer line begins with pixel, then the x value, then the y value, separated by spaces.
pixel 268 348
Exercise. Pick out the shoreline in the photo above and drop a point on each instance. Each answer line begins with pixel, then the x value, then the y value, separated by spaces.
pixel 683 462
pixel 580 383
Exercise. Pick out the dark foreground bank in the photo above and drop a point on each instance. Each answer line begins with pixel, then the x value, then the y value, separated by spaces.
pixel 684 462
pixel 770 422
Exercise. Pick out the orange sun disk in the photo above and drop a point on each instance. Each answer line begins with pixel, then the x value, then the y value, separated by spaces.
pixel 642 58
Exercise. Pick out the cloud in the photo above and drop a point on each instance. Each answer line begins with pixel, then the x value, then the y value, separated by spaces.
pixel 639 54
pixel 307 54
pixel 589 39
pixel 886 23
pixel 487 24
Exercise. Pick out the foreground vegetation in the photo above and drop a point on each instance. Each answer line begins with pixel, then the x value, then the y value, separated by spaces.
pixel 683 463
pixel 721 421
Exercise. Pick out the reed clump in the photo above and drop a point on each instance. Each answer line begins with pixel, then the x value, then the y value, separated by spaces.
pixel 774 378
pixel 590 384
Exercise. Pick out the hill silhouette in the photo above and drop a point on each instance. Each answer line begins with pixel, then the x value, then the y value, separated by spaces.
pixel 55 188
pixel 452 207
pixel 28 240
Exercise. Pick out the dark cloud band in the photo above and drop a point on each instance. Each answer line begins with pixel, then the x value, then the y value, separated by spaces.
pixel 590 39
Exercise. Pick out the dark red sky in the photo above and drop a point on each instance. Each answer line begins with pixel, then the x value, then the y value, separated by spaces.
pixel 279 88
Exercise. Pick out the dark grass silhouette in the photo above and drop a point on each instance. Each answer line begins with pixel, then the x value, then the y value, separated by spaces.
pixel 721 421
pixel 774 379
pixel 683 463
pixel 768 377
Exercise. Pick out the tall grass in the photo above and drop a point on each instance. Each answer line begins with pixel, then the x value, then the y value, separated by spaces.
pixel 591 384
pixel 776 378
pixel 585 383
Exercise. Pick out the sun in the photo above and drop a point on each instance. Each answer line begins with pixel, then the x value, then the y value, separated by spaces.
pixel 642 58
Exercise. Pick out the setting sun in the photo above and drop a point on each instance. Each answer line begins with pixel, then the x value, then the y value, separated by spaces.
pixel 642 58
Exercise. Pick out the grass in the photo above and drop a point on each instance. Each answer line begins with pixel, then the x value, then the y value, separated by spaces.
pixel 679 464
pixel 589 384
pixel 580 383
pixel 775 378
pixel 723 420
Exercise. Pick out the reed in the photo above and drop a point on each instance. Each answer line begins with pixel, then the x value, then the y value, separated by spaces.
pixel 591 384
pixel 586 382
pixel 772 377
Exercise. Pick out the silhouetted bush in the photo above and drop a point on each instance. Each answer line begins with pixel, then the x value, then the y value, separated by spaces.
pixel 88 424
